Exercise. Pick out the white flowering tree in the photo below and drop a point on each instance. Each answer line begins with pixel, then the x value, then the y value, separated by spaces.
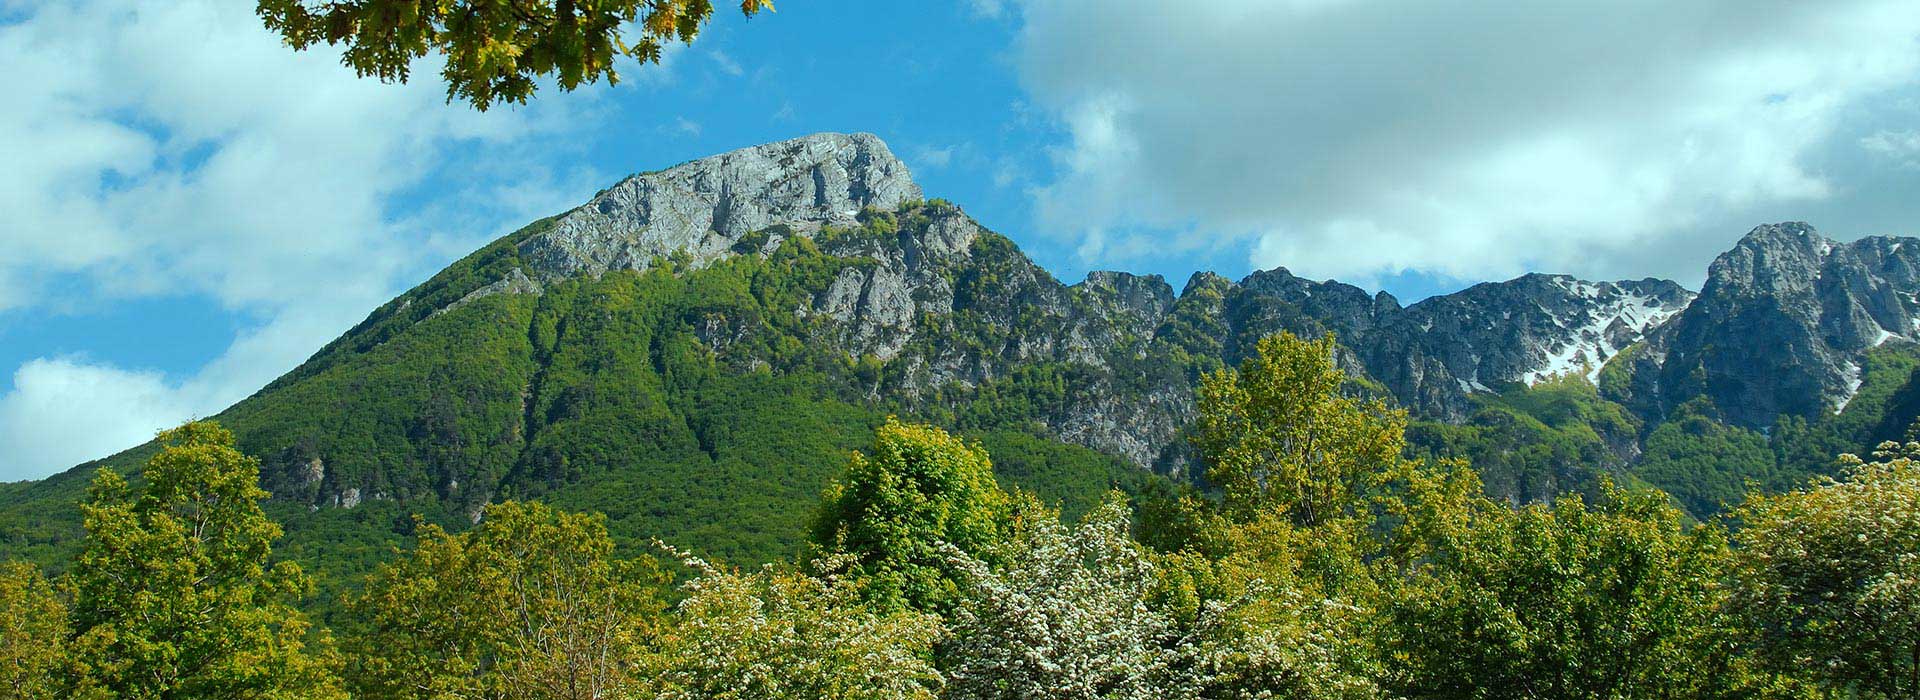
pixel 1085 612
pixel 1830 575
pixel 777 634
pixel 1065 617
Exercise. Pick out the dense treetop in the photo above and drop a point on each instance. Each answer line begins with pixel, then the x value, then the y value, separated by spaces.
pixel 494 51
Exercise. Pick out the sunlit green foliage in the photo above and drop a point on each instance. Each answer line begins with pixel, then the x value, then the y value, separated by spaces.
pixel 776 634
pixel 173 592
pixel 529 604
pixel 915 491
pixel 1283 611
pixel 494 51
pixel 33 634
pixel 932 582
pixel 1830 576
pixel 1277 434
pixel 1064 615
pixel 1616 599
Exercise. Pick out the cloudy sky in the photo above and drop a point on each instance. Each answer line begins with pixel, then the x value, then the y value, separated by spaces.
pixel 189 210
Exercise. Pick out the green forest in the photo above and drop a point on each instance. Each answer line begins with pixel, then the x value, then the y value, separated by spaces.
pixel 1325 558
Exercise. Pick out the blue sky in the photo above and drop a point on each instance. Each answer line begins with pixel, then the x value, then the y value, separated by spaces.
pixel 191 210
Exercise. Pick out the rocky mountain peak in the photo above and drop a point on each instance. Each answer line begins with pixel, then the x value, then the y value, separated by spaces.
pixel 1435 353
pixel 1783 320
pixel 703 208
pixel 1147 294
pixel 1771 259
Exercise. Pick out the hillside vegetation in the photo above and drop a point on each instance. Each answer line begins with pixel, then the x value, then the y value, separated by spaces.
pixel 1327 566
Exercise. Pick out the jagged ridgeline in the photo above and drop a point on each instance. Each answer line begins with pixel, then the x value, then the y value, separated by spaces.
pixel 695 350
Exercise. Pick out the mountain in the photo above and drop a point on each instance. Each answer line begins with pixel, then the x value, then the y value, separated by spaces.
pixel 695 350
pixel 1782 325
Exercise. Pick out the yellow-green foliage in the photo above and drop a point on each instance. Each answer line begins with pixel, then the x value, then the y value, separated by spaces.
pixel 531 604
pixel 33 634
pixel 1277 433
pixel 781 634
pixel 173 593
pixel 1830 576
pixel 931 582
pixel 1614 599
pixel 915 489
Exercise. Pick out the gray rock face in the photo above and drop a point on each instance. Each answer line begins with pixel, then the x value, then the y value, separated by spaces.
pixel 1144 300
pixel 704 207
pixel 925 305
pixel 1781 323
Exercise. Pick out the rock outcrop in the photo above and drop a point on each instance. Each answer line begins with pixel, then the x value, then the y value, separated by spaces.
pixel 702 209
pixel 1781 323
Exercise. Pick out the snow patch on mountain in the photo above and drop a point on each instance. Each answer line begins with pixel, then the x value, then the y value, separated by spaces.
pixel 1606 318
pixel 1852 371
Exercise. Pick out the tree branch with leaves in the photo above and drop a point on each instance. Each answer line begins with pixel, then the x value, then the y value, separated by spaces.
pixel 495 50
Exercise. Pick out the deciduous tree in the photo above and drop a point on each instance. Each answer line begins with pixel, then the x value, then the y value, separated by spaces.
pixel 915 490
pixel 1278 432
pixel 531 603
pixel 776 634
pixel 1615 600
pixel 494 50
pixel 33 633
pixel 175 594
pixel 1064 616
pixel 1830 576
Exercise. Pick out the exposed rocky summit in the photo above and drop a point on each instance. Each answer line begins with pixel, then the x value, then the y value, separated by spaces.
pixel 1780 325
pixel 1438 352
pixel 701 209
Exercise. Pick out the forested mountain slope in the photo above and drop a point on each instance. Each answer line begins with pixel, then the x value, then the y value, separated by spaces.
pixel 695 350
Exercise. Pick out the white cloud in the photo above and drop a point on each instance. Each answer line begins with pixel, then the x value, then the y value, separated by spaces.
pixel 1354 139
pixel 1902 147
pixel 726 63
pixel 65 411
pixel 177 148
pixel 686 126
pixel 932 158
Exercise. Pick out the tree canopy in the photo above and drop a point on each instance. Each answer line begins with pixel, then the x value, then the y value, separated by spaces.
pixel 175 594
pixel 531 603
pixel 1830 575
pixel 917 490
pixel 33 633
pixel 1278 432
pixel 494 51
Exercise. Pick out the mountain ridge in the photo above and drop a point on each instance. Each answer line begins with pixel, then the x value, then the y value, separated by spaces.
pixel 694 350
pixel 1432 356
